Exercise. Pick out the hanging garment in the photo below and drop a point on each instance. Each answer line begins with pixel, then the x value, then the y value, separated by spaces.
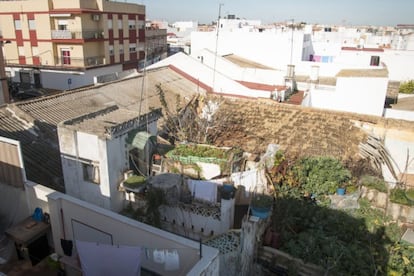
pixel 172 260
pixel 205 190
pixel 158 256
pixel 103 259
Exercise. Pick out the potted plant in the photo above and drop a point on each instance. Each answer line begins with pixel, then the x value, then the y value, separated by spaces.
pixel 260 205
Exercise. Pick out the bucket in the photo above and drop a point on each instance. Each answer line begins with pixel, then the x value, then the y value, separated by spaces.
pixel 340 191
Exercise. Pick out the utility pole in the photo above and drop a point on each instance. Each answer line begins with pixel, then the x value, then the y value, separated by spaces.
pixel 217 37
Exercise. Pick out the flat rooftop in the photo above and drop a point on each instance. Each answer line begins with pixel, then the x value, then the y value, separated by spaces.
pixel 363 73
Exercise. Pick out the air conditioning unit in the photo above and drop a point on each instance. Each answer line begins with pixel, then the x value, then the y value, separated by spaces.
pixel 96 17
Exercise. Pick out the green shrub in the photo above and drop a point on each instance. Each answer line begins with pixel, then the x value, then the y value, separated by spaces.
pixel 407 87
pixel 321 175
pixel 410 194
pixel 374 183
pixel 398 196
pixel 262 201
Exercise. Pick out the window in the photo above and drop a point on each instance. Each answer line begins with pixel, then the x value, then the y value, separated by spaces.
pixel 132 48
pixel 21 51
pixel 65 56
pixel 131 24
pixel 141 25
pixel 110 24
pixel 111 50
pixel 121 48
pixel 62 25
pixel 17 24
pixel 91 173
pixel 120 24
pixel 35 51
pixel 32 24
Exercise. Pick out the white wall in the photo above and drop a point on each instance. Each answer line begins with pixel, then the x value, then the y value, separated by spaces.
pixel 59 80
pixel 268 48
pixel 75 145
pixel 197 222
pixel 399 114
pixel 123 231
pixel 205 74
pixel 116 165
pixel 352 94
pixel 235 72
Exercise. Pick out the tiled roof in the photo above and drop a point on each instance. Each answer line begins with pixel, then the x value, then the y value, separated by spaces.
pixel 261 86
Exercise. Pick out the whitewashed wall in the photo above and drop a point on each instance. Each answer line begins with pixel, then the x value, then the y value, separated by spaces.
pixel 399 114
pixel 198 222
pixel 123 231
pixel 205 74
pixel 59 80
pixel 235 72
pixel 359 95
pixel 81 145
pixel 268 48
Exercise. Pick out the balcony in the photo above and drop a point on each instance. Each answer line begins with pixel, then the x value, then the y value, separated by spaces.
pixel 80 34
pixel 79 62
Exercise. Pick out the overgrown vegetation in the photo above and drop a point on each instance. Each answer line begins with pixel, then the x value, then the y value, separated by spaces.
pixel 199 150
pixel 374 182
pixel 321 175
pixel 407 87
pixel 361 241
pixel 399 196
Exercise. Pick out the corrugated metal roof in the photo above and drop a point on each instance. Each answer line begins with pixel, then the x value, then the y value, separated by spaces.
pixel 41 161
pixel 40 144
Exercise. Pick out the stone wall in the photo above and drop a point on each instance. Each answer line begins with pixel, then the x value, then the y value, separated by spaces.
pixel 380 200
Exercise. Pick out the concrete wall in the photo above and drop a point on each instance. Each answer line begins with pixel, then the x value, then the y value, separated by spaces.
pixel 399 142
pixel 399 114
pixel 59 80
pixel 201 225
pixel 359 95
pixel 110 155
pixel 74 147
pixel 123 231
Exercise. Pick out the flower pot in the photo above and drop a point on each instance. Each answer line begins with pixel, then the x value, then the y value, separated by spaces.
pixel 340 191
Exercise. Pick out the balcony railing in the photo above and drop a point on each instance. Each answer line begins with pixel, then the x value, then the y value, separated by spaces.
pixel 80 62
pixel 81 34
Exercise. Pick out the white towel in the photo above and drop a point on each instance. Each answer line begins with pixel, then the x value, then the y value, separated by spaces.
pixel 103 259
pixel 205 190
pixel 159 256
pixel 172 260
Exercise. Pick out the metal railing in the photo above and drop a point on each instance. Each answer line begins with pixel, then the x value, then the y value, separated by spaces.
pixel 79 62
pixel 81 34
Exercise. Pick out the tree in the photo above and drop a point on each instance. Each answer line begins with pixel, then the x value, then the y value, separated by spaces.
pixel 407 87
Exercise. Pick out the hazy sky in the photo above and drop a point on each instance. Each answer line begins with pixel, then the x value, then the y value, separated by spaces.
pixel 350 12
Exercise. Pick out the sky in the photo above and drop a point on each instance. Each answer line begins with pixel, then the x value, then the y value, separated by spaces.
pixel 344 12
